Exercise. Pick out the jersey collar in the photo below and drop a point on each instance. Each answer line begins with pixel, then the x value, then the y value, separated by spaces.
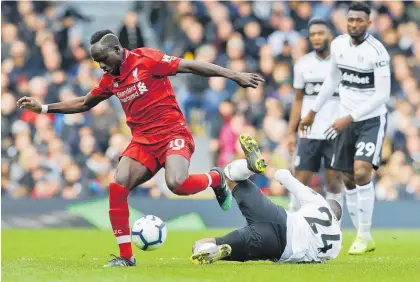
pixel 351 43
pixel 322 59
pixel 125 64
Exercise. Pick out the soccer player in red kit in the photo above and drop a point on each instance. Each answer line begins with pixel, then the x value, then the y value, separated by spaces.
pixel 160 136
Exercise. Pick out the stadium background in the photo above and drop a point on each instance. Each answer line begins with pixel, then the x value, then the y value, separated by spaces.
pixel 45 54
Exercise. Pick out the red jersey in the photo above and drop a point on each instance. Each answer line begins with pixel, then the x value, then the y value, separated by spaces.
pixel 146 94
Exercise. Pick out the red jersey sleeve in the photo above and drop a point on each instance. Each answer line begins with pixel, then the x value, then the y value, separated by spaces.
pixel 101 90
pixel 159 63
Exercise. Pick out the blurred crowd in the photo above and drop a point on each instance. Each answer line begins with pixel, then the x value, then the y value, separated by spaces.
pixel 73 156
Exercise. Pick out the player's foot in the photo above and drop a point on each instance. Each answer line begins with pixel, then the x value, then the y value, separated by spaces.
pixel 120 261
pixel 253 155
pixel 361 246
pixel 211 255
pixel 222 192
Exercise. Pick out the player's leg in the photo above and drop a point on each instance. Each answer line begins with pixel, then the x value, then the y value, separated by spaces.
pixel 365 196
pixel 180 182
pixel 240 170
pixel 351 197
pixel 307 161
pixel 253 204
pixel 263 238
pixel 335 187
pixel 367 158
pixel 206 251
pixel 343 161
pixel 129 174
pixel 334 183
pixel 259 241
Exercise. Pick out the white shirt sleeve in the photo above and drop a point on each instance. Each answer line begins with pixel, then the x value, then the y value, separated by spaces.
pixel 382 93
pixel 298 82
pixel 331 82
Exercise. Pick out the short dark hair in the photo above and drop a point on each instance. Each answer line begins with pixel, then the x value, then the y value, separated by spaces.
pixel 318 21
pixel 98 35
pixel 336 208
pixel 360 6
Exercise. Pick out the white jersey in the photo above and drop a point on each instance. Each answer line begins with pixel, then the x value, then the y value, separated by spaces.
pixel 358 66
pixel 310 72
pixel 313 233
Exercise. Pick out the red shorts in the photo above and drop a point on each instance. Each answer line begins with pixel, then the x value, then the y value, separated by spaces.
pixel 153 156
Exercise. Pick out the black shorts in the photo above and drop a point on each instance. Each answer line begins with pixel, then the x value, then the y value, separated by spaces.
pixel 311 152
pixel 361 140
pixel 264 237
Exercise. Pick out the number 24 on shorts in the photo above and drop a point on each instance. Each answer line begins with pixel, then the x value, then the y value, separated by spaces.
pixel 177 144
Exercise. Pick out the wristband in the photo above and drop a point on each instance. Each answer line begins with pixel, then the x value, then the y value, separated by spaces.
pixel 44 109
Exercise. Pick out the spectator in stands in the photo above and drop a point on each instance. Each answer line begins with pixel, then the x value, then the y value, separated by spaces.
pixel 130 34
pixel 45 56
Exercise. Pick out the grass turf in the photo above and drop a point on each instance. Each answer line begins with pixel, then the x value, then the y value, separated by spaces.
pixel 78 255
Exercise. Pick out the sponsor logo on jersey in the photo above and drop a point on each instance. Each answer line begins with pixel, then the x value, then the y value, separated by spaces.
pixel 167 58
pixel 142 87
pixel 382 64
pixel 355 79
pixel 132 92
pixel 313 88
pixel 126 92
pixel 135 75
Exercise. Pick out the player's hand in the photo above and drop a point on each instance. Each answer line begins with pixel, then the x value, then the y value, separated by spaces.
pixel 246 80
pixel 338 126
pixel 291 142
pixel 30 104
pixel 306 124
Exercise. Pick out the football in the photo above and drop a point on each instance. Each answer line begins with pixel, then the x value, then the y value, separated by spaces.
pixel 148 233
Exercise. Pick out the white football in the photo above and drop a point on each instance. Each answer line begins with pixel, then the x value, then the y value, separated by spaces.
pixel 148 233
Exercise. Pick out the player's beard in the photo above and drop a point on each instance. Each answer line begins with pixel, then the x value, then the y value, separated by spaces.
pixel 325 47
pixel 358 37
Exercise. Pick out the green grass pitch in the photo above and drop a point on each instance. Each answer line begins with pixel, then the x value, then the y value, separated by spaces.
pixel 78 255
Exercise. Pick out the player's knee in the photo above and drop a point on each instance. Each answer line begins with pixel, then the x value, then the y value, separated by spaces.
pixel 362 175
pixel 335 184
pixel 349 181
pixel 174 181
pixel 124 179
pixel 121 180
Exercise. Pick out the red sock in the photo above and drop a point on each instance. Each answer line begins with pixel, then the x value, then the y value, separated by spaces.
pixel 198 182
pixel 118 215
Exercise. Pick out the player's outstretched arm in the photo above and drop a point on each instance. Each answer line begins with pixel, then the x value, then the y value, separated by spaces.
pixel 207 69
pixel 73 106
pixel 303 193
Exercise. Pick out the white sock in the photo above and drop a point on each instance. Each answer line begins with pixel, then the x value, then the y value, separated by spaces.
pixel 204 247
pixel 294 204
pixel 352 202
pixel 365 205
pixel 238 170
pixel 339 197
